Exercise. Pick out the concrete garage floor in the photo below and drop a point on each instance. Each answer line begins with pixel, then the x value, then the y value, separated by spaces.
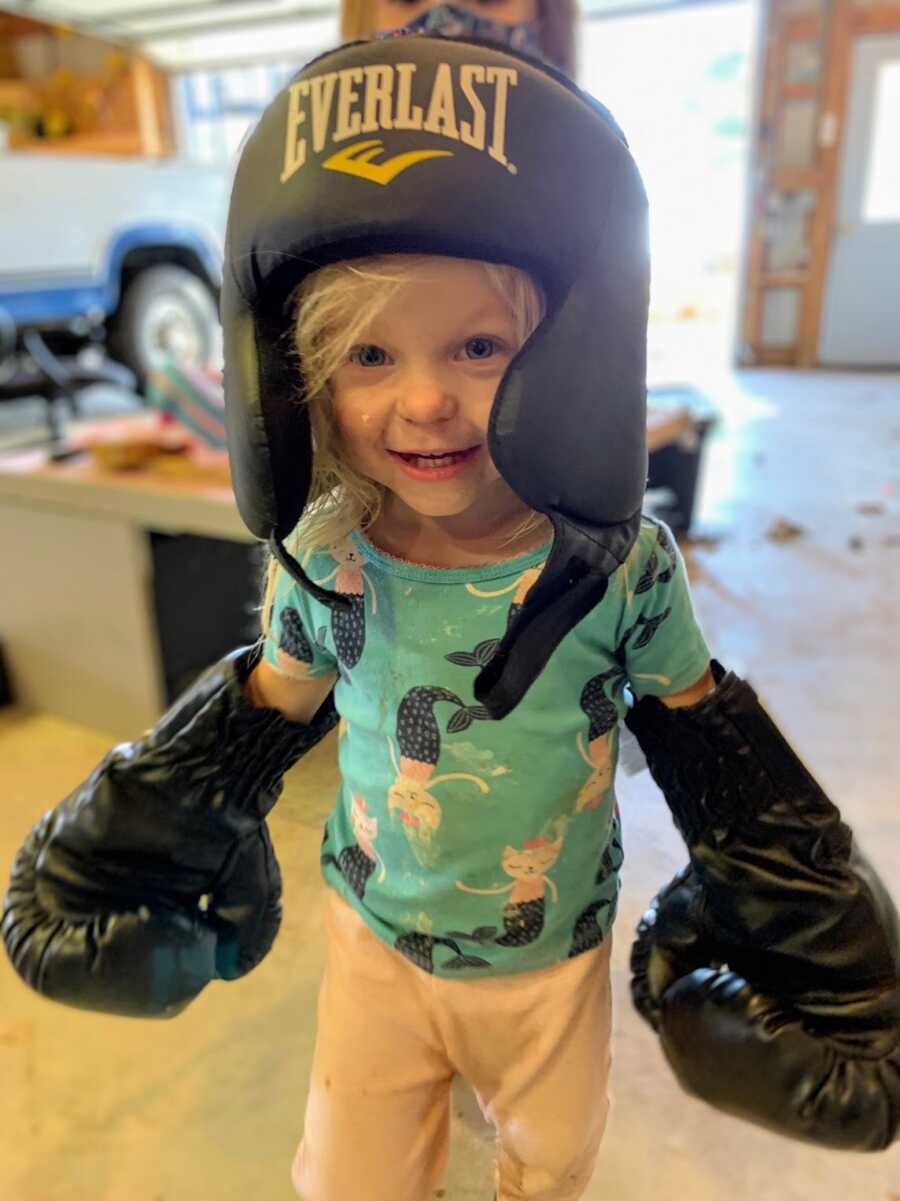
pixel 209 1106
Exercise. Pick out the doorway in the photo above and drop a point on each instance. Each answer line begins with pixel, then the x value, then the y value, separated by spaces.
pixel 860 322
pixel 680 83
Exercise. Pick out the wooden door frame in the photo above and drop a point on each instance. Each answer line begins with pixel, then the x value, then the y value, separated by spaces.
pixel 835 29
pixel 847 24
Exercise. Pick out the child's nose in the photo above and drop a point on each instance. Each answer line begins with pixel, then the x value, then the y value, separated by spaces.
pixel 426 396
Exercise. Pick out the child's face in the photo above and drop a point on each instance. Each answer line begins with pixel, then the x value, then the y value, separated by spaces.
pixel 394 14
pixel 423 380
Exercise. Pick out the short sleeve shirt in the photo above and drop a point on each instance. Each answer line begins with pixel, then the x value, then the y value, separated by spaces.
pixel 472 846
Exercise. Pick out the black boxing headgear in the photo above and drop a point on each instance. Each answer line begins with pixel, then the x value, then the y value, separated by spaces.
pixel 431 145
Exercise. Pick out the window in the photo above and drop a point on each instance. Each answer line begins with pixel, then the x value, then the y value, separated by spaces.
pixel 882 193
pixel 219 107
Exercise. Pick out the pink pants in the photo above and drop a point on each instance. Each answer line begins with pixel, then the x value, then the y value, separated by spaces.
pixel 535 1048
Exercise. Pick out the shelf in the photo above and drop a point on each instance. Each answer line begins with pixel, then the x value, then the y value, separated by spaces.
pixel 125 143
pixel 794 179
pixel 783 279
pixel 800 91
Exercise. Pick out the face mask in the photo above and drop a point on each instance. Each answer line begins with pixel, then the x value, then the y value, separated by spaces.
pixel 453 21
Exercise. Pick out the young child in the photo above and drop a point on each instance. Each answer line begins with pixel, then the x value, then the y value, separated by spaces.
pixel 473 865
pixel 434 308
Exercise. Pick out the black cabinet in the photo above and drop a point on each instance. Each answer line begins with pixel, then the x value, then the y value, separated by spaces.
pixel 676 466
pixel 206 596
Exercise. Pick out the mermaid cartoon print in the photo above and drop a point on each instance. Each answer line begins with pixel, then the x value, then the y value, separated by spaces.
pixel 587 933
pixel 524 911
pixel 652 575
pixel 602 732
pixel 418 737
pixel 348 626
pixel 357 863
pixel 600 755
pixel 485 651
pixel 294 652
pixel 419 947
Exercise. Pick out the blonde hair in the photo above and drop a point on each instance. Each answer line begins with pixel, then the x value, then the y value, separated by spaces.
pixel 333 307
pixel 557 20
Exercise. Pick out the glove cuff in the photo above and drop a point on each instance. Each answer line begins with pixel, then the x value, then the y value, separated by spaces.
pixel 218 749
pixel 723 763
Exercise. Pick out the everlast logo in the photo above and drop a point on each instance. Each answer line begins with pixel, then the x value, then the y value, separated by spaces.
pixel 467 104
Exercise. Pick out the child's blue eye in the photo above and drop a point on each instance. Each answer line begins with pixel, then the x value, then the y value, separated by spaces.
pixel 484 343
pixel 361 355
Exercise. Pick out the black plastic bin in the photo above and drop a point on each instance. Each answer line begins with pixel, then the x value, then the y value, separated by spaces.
pixel 206 594
pixel 676 467
pixel 6 692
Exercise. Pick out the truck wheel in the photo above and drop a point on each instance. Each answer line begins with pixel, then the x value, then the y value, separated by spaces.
pixel 166 312
pixel 8 337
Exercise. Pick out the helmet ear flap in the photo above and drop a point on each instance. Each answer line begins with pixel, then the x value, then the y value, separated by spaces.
pixel 269 444
pixel 573 439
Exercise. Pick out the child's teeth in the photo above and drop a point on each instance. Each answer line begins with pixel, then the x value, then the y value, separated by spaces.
pixel 443 461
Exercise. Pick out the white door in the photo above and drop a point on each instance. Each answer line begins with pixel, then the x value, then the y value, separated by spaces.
pixel 861 309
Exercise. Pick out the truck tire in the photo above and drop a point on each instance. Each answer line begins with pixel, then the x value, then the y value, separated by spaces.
pixel 8 337
pixel 166 312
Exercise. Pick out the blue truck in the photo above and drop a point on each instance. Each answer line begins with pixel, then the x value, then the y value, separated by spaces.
pixel 130 247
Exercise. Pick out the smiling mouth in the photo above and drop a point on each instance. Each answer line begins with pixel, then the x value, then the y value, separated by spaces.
pixel 435 463
pixel 432 454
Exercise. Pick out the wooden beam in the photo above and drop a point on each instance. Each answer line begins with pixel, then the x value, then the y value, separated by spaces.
pixel 151 138
pixel 883 19
pixel 800 91
pixel 795 179
pixel 832 116
pixel 772 58
pixel 803 28
pixel 784 279
pixel 14 26
pixel 777 356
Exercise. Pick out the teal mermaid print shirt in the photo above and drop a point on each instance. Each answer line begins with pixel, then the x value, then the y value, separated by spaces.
pixel 477 847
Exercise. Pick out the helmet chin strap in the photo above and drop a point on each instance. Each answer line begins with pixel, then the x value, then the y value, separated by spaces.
pixel 574 581
pixel 296 572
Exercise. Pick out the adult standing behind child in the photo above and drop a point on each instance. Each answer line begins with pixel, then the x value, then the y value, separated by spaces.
pixel 543 28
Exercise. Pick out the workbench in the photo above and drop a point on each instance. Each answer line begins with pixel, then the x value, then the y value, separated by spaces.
pixel 119 587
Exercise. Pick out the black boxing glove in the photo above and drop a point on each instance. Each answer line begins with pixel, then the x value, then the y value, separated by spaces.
pixel 770 967
pixel 157 874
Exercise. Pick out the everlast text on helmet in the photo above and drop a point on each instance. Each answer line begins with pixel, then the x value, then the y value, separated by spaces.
pixel 467 103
